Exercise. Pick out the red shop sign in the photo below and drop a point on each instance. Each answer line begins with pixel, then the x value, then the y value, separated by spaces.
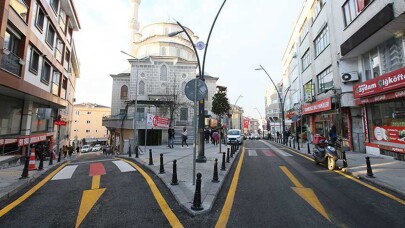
pixel 383 97
pixel 392 134
pixel 383 83
pixel 245 123
pixel 319 106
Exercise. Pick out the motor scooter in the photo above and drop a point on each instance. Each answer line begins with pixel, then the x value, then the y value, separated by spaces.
pixel 325 153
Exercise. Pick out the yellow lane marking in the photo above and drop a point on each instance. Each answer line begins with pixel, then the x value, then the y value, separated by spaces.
pixel 15 203
pixel 372 187
pixel 291 177
pixel 89 198
pixel 306 193
pixel 95 183
pixel 226 210
pixel 170 216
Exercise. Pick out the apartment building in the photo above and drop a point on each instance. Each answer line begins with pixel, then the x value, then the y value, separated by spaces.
pixel 87 123
pixel 38 71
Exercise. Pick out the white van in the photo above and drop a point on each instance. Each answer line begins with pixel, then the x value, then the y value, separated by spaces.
pixel 234 136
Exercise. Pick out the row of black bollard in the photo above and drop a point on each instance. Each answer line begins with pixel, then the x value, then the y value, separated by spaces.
pixel 369 170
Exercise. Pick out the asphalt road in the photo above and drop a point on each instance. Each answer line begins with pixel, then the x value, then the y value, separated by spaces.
pixel 268 186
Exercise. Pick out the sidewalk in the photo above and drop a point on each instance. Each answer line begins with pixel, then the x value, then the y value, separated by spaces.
pixel 10 182
pixel 184 192
pixel 388 172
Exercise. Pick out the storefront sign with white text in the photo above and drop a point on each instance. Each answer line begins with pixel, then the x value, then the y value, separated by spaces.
pixel 319 106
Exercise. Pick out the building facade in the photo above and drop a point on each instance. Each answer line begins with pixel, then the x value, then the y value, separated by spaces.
pixel 273 109
pixel 38 71
pixel 87 123
pixel 160 68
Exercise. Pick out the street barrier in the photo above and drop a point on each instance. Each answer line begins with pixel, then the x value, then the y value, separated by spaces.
pixel 197 195
pixel 231 153
pixel 150 157
pixel 223 161
pixel 162 168
pixel 31 165
pixel 227 157
pixel 174 175
pixel 129 151
pixel 309 150
pixel 369 170
pixel 137 151
pixel 215 178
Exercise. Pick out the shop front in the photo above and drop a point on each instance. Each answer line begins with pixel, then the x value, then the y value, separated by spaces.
pixel 322 114
pixel 383 108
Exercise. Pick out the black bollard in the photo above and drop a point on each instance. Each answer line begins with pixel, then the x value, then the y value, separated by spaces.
pixel 129 151
pixel 59 155
pixel 231 153
pixel 41 161
pixel 150 157
pixel 197 195
pixel 227 157
pixel 298 144
pixel 137 151
pixel 309 150
pixel 294 143
pixel 369 170
pixel 51 158
pixel 26 164
pixel 174 176
pixel 215 179
pixel 344 159
pixel 223 162
pixel 162 168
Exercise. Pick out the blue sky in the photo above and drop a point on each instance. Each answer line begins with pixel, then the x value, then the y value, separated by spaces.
pixel 247 34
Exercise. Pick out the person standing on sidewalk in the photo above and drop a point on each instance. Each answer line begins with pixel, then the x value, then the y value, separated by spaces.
pixel 171 136
pixel 184 137
pixel 215 137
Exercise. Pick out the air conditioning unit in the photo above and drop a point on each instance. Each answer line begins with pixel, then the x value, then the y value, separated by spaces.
pixel 350 77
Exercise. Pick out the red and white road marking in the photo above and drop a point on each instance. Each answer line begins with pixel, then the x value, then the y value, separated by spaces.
pixel 252 153
pixel 124 167
pixel 65 173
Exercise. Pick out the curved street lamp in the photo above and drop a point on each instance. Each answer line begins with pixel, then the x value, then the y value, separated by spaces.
pixel 201 156
pixel 281 99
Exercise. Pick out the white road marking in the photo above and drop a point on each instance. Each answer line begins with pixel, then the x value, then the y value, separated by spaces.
pixel 275 149
pixel 124 167
pixel 65 173
pixel 252 153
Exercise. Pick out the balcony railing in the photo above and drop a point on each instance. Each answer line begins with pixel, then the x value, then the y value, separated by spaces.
pixel 11 63
pixel 20 7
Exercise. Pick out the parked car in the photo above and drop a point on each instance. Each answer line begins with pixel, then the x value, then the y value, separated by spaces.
pixel 97 147
pixel 234 136
pixel 86 148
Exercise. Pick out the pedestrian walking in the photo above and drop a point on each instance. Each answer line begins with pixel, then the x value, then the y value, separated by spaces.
pixel 215 137
pixel 70 151
pixel 207 135
pixel 171 136
pixel 65 151
pixel 77 150
pixel 184 137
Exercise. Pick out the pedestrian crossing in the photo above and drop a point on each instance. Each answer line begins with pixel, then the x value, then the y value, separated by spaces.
pixel 95 168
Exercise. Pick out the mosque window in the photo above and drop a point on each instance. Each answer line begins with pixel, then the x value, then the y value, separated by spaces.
pixel 124 92
pixel 163 73
pixel 141 88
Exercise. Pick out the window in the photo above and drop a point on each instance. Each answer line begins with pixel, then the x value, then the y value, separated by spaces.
pixel 163 73
pixel 96 131
pixel 64 88
pixel 352 8
pixel 325 80
pixel 140 114
pixel 142 75
pixel 88 113
pixel 34 61
pixel 62 19
pixel 59 49
pixel 87 131
pixel 46 72
pixel 11 41
pixel 55 5
pixel 124 92
pixel 141 88
pixel 321 41
pixel 20 7
pixel 308 92
pixel 69 35
pixel 392 55
pixel 66 63
pixel 306 60
pixel 77 112
pixel 11 115
pixel 40 19
pixel 317 8
pixel 304 31
pixel 50 36
pixel 88 121
pixel 55 83
pixel 184 114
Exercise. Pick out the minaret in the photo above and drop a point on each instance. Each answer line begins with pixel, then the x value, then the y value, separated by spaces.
pixel 133 26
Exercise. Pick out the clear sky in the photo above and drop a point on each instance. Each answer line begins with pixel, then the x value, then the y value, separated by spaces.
pixel 246 34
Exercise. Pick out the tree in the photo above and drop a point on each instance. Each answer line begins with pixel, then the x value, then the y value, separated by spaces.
pixel 220 104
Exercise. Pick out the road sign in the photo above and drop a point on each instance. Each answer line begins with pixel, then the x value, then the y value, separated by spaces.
pixel 200 45
pixel 202 89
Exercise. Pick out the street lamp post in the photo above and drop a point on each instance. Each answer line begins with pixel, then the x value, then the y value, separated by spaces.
pixel 279 97
pixel 135 99
pixel 201 115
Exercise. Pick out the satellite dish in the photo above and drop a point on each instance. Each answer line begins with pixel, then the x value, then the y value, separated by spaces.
pixel 190 89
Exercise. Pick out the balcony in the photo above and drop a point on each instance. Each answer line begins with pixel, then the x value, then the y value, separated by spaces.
pixel 11 63
pixel 20 7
